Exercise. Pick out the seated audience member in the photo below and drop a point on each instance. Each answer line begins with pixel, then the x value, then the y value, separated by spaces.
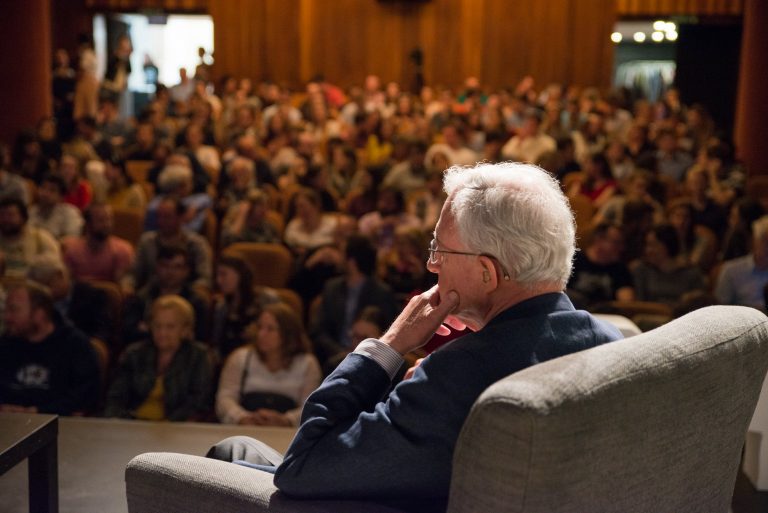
pixel 170 231
pixel 344 174
pixel 20 241
pixel 529 144
pixel 706 212
pixel 199 177
pixel 411 174
pixel 638 187
pixel 11 184
pixel 99 255
pixel 402 267
pixel 323 263
pixel 176 182
pixel 598 184
pixel 172 277
pixel 671 161
pixel 168 376
pixel 51 213
pixel 267 381
pixel 698 244
pixel 78 302
pixel 46 365
pixel 741 281
pixel 343 297
pixel 310 228
pixel 144 142
pixel 637 219
pixel 122 192
pixel 660 277
pixel 247 221
pixel 369 323
pixel 241 182
pixel 599 275
pixel 502 251
pixel 737 241
pixel 78 191
pixel 453 147
pixel 390 214
pixel 237 305
pixel 427 203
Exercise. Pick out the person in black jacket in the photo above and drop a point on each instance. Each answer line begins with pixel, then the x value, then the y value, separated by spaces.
pixel 342 300
pixel 80 303
pixel 46 364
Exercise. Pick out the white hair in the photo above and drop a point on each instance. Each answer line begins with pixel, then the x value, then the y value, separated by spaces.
pixel 172 176
pixel 517 214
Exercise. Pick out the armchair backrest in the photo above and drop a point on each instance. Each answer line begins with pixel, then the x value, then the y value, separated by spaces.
pixel 652 423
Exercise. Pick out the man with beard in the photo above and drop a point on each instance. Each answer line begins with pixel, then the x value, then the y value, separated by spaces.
pixel 52 213
pixel 46 365
pixel 97 254
pixel 21 241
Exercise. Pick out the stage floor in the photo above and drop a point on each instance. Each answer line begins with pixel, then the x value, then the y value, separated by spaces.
pixel 93 454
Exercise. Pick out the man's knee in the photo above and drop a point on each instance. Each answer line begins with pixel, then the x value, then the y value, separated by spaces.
pixel 244 448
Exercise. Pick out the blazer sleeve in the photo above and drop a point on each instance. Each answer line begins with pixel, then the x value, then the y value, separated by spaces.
pixel 397 445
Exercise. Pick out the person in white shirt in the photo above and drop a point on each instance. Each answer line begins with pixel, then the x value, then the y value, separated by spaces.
pixel 267 381
pixel 530 144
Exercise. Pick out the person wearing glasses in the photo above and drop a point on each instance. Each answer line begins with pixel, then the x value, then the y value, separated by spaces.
pixel 502 252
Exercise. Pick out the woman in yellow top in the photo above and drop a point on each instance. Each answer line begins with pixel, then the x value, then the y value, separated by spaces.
pixel 168 377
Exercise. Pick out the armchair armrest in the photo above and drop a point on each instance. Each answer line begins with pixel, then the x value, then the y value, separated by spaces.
pixel 161 482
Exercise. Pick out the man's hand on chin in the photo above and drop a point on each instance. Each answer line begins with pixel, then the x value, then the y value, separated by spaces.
pixel 422 317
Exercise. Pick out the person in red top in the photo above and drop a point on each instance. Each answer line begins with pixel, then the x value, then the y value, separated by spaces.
pixel 79 192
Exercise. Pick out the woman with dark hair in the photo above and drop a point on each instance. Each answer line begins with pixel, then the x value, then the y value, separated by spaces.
pixel 310 228
pixel 598 185
pixel 235 307
pixel 122 192
pixel 737 241
pixel 267 381
pixel 698 244
pixel 659 277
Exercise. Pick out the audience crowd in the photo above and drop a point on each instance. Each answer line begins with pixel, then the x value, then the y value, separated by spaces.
pixel 161 236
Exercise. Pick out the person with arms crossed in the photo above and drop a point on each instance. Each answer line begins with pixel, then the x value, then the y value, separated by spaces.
pixel 502 251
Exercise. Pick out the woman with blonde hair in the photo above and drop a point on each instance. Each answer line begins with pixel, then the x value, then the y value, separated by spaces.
pixel 267 381
pixel 169 376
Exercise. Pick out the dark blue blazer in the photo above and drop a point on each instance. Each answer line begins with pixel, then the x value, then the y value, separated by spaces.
pixel 357 441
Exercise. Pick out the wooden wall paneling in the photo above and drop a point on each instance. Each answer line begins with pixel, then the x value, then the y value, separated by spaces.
pixel 444 52
pixel 591 54
pixel 281 61
pixel 473 23
pixel 679 7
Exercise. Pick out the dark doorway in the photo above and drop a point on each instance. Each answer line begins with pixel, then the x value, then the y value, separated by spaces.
pixel 708 68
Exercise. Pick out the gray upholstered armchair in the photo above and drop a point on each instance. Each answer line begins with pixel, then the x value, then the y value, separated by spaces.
pixel 653 423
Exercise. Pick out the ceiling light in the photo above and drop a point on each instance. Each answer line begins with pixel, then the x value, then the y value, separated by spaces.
pixel 659 25
pixel 639 37
pixel 658 36
pixel 672 35
pixel 616 37
pixel 670 27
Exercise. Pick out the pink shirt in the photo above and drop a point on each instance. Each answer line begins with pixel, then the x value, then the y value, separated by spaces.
pixel 109 263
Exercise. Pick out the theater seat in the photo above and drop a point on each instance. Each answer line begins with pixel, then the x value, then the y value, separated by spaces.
pixel 652 423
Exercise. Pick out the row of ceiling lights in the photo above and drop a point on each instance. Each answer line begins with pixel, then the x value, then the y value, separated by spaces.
pixel 662 30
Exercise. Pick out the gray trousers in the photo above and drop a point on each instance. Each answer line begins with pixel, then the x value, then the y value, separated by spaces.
pixel 245 448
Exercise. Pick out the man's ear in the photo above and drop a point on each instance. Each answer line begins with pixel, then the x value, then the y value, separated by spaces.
pixel 490 276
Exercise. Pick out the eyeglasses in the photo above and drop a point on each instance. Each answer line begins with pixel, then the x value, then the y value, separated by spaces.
pixel 434 260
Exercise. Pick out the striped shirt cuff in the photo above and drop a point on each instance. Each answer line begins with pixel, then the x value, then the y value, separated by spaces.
pixel 387 358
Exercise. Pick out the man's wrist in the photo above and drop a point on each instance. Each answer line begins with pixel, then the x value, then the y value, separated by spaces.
pixel 387 357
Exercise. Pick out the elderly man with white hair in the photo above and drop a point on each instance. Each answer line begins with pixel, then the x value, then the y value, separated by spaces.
pixel 502 250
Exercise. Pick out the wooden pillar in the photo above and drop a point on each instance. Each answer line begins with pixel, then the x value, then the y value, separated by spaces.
pixel 751 102
pixel 25 93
